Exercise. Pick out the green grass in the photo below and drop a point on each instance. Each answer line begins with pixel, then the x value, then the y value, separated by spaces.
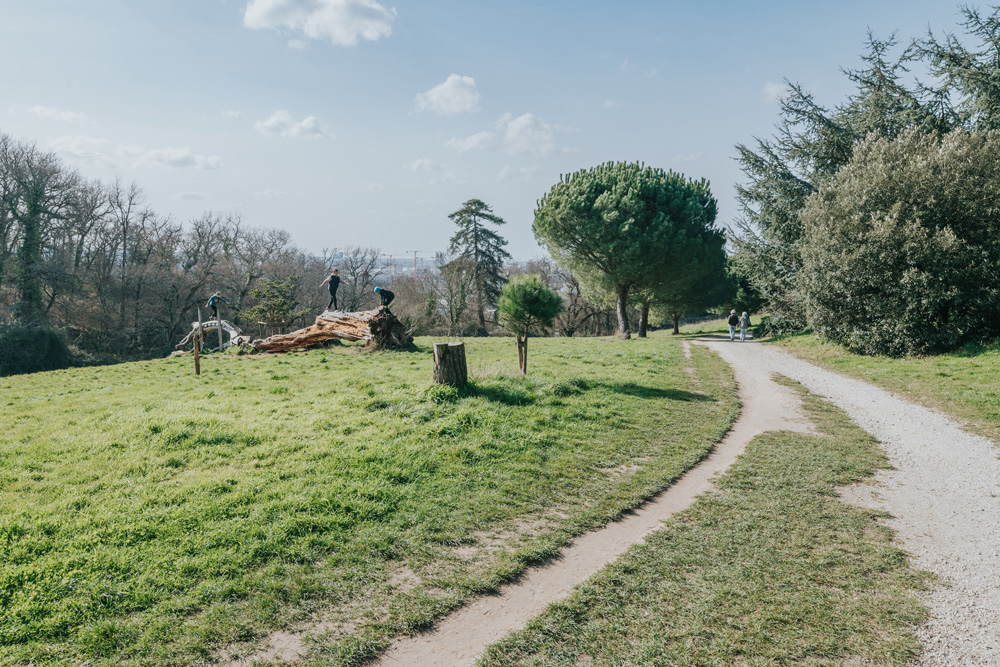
pixel 773 570
pixel 965 384
pixel 152 517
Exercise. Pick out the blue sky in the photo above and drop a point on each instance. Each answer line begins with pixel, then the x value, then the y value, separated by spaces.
pixel 364 122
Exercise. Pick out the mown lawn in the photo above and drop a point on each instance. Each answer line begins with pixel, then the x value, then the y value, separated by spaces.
pixel 151 517
pixel 772 570
pixel 965 383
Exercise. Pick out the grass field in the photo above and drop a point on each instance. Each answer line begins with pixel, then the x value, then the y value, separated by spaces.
pixel 151 517
pixel 965 383
pixel 772 570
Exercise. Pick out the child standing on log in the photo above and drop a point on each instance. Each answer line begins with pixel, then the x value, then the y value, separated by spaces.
pixel 213 303
pixel 386 296
pixel 334 282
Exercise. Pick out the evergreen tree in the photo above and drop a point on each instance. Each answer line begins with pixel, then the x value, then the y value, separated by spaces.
pixel 525 306
pixel 484 250
pixel 625 227
pixel 811 145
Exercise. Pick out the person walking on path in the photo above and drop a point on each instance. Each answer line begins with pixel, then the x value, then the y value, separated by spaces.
pixel 744 325
pixel 386 296
pixel 733 323
pixel 213 303
pixel 334 282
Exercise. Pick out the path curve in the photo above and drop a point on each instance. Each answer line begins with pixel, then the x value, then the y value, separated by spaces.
pixel 943 494
pixel 458 639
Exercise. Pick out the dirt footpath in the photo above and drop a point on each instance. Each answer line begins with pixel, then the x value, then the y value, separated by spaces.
pixel 943 494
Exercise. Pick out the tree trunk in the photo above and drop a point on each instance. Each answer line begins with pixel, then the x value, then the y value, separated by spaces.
pixel 379 327
pixel 28 309
pixel 621 291
pixel 449 364
pixel 643 319
pixel 677 323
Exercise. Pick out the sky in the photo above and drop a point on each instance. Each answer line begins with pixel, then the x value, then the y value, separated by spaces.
pixel 364 122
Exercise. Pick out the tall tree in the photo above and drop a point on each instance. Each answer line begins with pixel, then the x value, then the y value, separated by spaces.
pixel 483 248
pixel 810 147
pixel 624 226
pixel 43 191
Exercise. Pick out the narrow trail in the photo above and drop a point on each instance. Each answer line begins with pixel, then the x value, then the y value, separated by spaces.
pixel 943 494
pixel 457 640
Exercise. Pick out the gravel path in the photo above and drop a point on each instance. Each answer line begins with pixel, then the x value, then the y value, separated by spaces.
pixel 944 495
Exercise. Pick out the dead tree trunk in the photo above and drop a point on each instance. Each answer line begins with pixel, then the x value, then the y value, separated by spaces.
pixel 379 327
pixel 449 364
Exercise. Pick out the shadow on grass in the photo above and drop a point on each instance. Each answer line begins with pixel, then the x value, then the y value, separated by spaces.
pixel 499 393
pixel 640 391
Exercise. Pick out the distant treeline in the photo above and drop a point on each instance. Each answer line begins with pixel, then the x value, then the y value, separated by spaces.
pixel 95 262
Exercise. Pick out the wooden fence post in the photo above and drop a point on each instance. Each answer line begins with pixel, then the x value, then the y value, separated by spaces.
pixel 197 345
pixel 449 364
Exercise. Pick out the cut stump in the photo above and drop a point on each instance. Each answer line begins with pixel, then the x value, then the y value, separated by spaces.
pixel 449 364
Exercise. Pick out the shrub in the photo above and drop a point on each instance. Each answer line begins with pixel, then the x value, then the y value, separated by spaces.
pixel 32 349
pixel 901 252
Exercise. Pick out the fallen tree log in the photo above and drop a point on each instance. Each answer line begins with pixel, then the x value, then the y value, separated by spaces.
pixel 236 337
pixel 379 327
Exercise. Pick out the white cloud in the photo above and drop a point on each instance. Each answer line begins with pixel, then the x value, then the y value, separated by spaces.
pixel 688 158
pixel 281 123
pixel 650 73
pixel 438 172
pixel 527 134
pixel 190 196
pixel 458 94
pixel 610 104
pixel 229 113
pixel 173 157
pixel 518 175
pixel 772 92
pixel 342 22
pixel 298 44
pixel 376 187
pixel 58 114
pixel 271 194
pixel 479 140
pixel 83 148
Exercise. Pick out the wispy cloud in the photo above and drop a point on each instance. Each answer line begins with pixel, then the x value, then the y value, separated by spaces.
pixel 527 134
pixel 271 194
pixel 280 123
pixel 458 94
pixel 772 92
pixel 172 157
pixel 58 114
pixel 230 113
pixel 687 158
pixel 87 149
pixel 342 22
pixel 437 172
pixel 190 196
pixel 610 104
pixel 479 140
pixel 516 174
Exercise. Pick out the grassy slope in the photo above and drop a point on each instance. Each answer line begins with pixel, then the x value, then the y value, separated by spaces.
pixel 965 383
pixel 772 571
pixel 148 516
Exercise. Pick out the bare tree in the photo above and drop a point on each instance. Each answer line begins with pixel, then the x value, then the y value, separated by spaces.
pixel 360 270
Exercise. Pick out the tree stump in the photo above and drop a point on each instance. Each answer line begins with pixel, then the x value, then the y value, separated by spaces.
pixel 449 364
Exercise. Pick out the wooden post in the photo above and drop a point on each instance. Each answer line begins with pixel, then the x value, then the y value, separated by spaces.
pixel 449 364
pixel 218 323
pixel 197 344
